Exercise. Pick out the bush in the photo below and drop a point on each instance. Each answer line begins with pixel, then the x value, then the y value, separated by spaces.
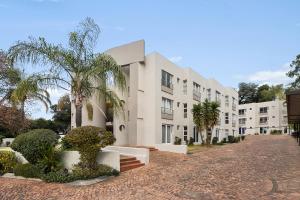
pixel 276 132
pixel 237 139
pixel 177 140
pixel 78 173
pixel 215 140
pixel 191 141
pixel 27 170
pixel 1 139
pixel 8 160
pixel 243 137
pixel 224 140
pixel 231 139
pixel 34 145
pixel 51 161
pixel 7 143
pixel 88 140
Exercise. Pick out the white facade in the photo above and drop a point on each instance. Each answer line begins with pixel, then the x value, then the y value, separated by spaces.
pixel 262 118
pixel 159 99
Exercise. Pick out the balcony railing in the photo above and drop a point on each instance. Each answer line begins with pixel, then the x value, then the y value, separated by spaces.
pixel 233 124
pixel 167 87
pixel 233 107
pixel 242 122
pixel 263 122
pixel 196 95
pixel 166 113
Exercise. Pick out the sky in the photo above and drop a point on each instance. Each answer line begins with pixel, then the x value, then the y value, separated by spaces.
pixel 229 40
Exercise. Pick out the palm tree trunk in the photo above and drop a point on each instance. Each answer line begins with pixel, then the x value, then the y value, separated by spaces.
pixel 23 110
pixel 201 137
pixel 208 136
pixel 78 106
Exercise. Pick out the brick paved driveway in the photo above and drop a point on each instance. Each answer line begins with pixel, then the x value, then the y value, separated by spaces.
pixel 262 167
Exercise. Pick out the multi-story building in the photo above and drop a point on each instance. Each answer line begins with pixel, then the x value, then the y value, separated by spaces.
pixel 159 99
pixel 262 118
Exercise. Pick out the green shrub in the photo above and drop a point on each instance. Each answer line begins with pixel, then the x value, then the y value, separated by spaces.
pixel 1 139
pixel 224 140
pixel 88 140
pixel 215 140
pixel 79 173
pixel 7 143
pixel 50 162
pixel 231 139
pixel 237 139
pixel 276 132
pixel 8 160
pixel 27 170
pixel 243 137
pixel 220 143
pixel 65 145
pixel 191 141
pixel 177 140
pixel 34 145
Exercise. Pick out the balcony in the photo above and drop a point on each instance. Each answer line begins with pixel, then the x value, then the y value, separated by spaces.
pixel 196 95
pixel 242 122
pixel 263 112
pixel 263 122
pixel 234 107
pixel 168 88
pixel 233 124
pixel 166 113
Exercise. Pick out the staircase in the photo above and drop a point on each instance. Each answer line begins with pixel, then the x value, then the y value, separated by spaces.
pixel 128 163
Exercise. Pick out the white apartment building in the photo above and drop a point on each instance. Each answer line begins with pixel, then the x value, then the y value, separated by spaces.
pixel 262 118
pixel 159 99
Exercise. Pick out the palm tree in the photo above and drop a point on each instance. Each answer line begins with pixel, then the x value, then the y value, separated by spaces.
pixel 77 67
pixel 206 116
pixel 27 89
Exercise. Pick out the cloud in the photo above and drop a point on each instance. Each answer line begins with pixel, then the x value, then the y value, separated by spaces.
pixel 176 59
pixel 270 77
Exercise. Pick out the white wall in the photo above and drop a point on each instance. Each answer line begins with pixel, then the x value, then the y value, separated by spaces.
pixel 141 154
pixel 172 148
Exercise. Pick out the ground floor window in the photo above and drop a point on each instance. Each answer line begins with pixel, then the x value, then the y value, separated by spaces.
pixel 166 133
pixel 217 133
pixel 263 130
pixel 185 133
pixel 242 130
pixel 196 135
pixel 285 130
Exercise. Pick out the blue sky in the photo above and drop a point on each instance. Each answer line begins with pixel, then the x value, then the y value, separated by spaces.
pixel 231 41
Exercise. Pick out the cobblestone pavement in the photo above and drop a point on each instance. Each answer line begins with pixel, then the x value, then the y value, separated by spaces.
pixel 262 167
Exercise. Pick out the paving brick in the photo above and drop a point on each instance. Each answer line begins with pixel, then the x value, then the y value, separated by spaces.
pixel 261 167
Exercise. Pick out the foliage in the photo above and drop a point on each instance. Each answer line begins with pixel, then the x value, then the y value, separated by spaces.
pixel 27 170
pixel 88 140
pixel 276 132
pixel 237 139
pixel 252 93
pixel 76 67
pixel 215 140
pixel 12 121
pixel 231 139
pixel 295 73
pixel 62 176
pixel 8 161
pixel 1 139
pixel 7 143
pixel 62 114
pixel 177 140
pixel 34 145
pixel 50 162
pixel 191 141
pixel 205 116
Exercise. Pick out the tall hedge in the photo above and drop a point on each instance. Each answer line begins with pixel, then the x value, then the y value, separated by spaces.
pixel 35 144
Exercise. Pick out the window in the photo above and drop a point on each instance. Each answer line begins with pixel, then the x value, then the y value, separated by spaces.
pixel 128 115
pixel 227 101
pixel 227 118
pixel 196 138
pixel 285 130
pixel 242 111
pixel 178 80
pixel 185 110
pixel 218 96
pixel 209 94
pixel 178 104
pixel 167 106
pixel 185 133
pixel 233 120
pixel 184 86
pixel 242 130
pixel 178 127
pixel 166 133
pixel 242 121
pixel 217 133
pixel 233 104
pixel 263 110
pixel 166 79
pixel 128 89
pixel 263 120
pixel 196 88
pixel 263 130
pixel 273 116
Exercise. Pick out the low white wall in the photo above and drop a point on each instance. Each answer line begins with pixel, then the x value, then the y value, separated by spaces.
pixel 109 158
pixel 141 154
pixel 172 148
pixel 19 156
pixel 3 144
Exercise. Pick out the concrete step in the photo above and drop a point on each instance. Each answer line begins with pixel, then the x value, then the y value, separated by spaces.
pixel 128 162
pixel 123 159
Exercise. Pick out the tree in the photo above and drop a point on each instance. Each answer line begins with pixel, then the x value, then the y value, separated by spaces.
pixel 206 116
pixel 247 93
pixel 62 114
pixel 76 67
pixel 295 73
pixel 27 89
